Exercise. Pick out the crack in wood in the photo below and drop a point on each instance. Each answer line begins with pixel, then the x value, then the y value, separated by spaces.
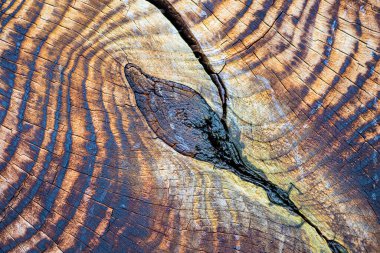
pixel 186 34
pixel 182 119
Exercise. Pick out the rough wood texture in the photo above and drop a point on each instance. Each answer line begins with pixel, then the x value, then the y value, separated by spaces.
pixel 186 126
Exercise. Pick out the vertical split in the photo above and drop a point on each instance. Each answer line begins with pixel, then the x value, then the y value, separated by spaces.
pixel 184 31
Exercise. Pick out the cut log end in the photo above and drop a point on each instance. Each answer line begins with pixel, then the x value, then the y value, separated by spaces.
pixel 189 126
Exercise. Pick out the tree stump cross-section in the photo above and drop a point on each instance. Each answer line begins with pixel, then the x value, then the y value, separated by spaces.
pixel 189 126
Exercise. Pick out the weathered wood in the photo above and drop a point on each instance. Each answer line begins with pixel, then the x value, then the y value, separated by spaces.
pixel 172 126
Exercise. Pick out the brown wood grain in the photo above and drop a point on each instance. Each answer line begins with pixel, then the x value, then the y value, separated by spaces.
pixel 83 169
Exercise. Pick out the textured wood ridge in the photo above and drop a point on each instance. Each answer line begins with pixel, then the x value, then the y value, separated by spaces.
pixel 85 166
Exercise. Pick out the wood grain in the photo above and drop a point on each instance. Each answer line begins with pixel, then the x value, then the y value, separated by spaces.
pixel 303 83
pixel 82 168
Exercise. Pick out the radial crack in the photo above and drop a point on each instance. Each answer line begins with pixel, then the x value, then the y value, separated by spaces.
pixel 186 34
pixel 182 119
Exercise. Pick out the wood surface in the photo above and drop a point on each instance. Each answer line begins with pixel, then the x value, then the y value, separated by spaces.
pixel 189 126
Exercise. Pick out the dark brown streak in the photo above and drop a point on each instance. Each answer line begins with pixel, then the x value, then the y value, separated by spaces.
pixel 184 31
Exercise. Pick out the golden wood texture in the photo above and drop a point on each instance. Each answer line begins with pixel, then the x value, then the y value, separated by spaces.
pixel 303 84
pixel 81 169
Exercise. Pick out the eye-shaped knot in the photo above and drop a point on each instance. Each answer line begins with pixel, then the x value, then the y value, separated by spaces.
pixel 181 118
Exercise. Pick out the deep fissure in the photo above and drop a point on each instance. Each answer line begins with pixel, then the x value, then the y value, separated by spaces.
pixel 184 31
pixel 276 195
